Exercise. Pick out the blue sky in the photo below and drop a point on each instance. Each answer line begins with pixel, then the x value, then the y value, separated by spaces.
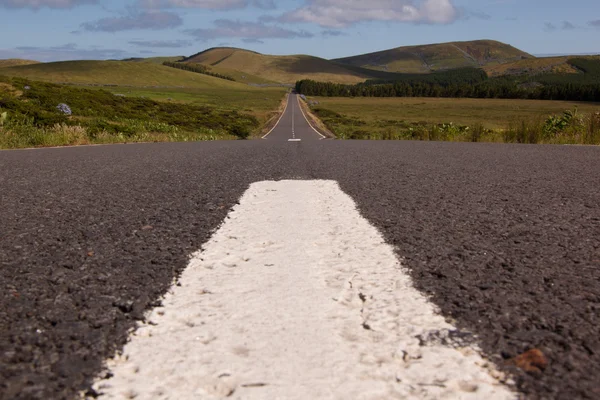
pixel 49 30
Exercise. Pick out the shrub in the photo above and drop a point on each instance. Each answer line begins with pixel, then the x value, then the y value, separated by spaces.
pixel 477 132
pixel 240 131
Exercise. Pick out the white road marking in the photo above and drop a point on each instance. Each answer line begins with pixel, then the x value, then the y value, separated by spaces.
pixel 297 296
pixel 279 120
pixel 294 140
pixel 309 124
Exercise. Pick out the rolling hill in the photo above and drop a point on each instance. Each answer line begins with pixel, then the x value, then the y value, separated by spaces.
pixel 436 57
pixel 535 66
pixel 282 69
pixel 118 73
pixel 12 62
pixel 380 65
pixel 154 60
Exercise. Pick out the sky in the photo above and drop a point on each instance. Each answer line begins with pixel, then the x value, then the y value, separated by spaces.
pixel 54 30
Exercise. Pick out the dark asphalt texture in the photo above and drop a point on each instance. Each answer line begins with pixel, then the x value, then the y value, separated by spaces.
pixel 504 238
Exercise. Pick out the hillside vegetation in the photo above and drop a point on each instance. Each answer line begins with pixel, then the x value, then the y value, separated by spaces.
pixel 383 65
pixel 12 62
pixel 436 57
pixel 44 114
pixel 119 73
pixel 281 69
pixel 474 83
pixel 534 66
pixel 155 60
pixel 157 82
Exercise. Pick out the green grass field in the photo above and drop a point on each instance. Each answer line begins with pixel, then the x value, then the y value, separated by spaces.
pixel 399 118
pixel 13 62
pixel 492 113
pixel 157 82
pixel 128 102
pixel 119 73
pixel 260 102
pixel 34 113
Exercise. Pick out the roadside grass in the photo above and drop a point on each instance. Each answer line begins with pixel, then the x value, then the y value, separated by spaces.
pixel 259 102
pixel 24 134
pixel 29 117
pixel 464 120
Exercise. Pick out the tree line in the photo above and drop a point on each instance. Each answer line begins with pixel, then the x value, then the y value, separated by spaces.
pixel 490 89
pixel 473 83
pixel 198 68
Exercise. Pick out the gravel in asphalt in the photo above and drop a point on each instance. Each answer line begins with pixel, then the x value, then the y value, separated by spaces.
pixel 504 239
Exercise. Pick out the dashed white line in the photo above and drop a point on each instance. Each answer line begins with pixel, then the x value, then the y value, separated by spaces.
pixel 297 296
pixel 293 121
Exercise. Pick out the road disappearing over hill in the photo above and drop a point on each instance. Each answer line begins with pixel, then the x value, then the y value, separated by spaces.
pixel 293 126
pixel 309 244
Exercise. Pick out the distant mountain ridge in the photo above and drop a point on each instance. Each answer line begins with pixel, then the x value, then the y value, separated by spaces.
pixel 250 67
pixel 282 69
pixel 378 65
pixel 438 57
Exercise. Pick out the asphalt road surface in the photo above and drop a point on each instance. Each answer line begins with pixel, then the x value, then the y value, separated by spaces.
pixel 293 125
pixel 503 239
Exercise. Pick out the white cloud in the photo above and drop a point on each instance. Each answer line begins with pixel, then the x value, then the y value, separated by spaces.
pixel 248 31
pixel 342 13
pixel 36 4
pixel 161 43
pixel 152 19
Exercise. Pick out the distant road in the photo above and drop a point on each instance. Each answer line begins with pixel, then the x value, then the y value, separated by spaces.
pixel 293 125
pixel 503 239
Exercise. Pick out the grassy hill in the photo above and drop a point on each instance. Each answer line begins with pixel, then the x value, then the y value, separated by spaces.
pixel 436 57
pixel 157 82
pixel 557 65
pixel 119 73
pixel 12 62
pixel 155 60
pixel 282 69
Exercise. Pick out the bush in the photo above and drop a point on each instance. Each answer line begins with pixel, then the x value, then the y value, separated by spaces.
pixel 33 115
pixel 477 132
pixel 240 131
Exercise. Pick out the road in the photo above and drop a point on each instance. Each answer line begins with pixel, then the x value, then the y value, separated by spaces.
pixel 293 124
pixel 503 239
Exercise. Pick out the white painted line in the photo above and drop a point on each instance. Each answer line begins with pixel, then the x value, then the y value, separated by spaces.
pixel 293 121
pixel 294 140
pixel 279 120
pixel 309 124
pixel 297 296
